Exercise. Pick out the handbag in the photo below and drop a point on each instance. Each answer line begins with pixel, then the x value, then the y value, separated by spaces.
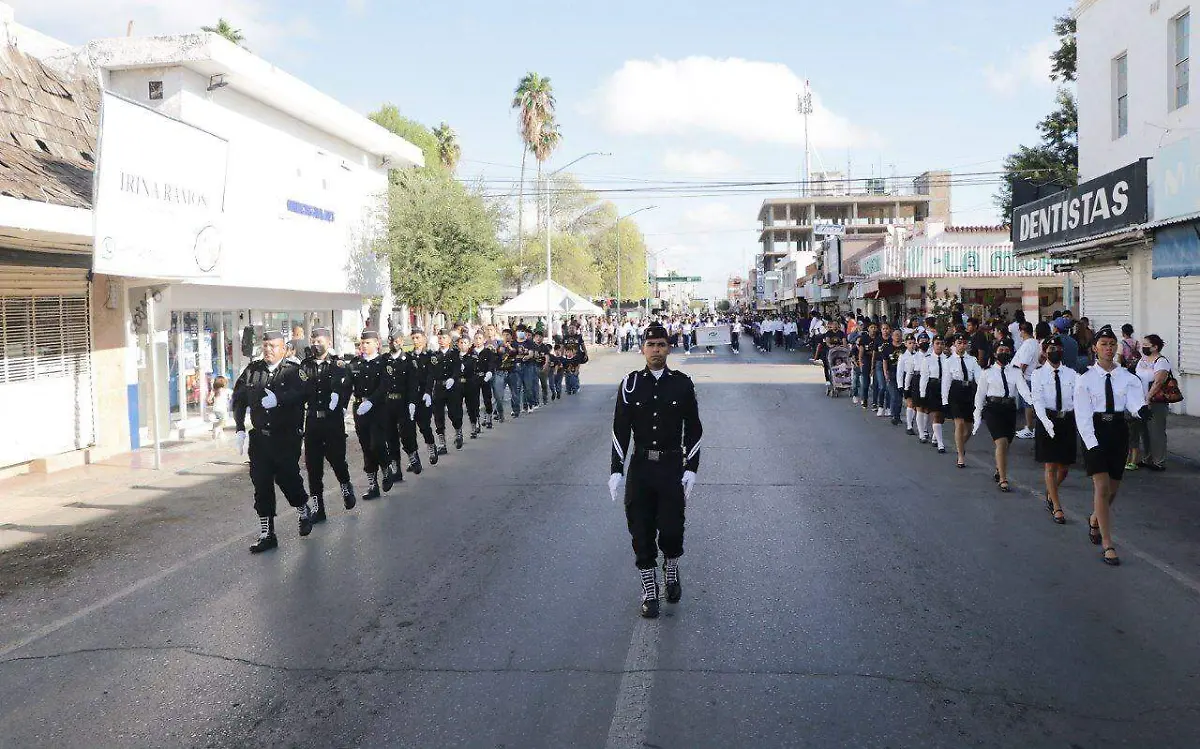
pixel 1169 392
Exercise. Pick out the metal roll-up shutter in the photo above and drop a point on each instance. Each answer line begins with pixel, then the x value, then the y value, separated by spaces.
pixel 45 363
pixel 1189 325
pixel 1106 297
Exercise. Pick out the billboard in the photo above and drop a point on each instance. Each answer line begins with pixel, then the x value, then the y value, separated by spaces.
pixel 712 335
pixel 159 195
pixel 1110 202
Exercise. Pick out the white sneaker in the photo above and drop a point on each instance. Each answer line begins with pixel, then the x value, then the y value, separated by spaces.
pixel 1025 434
pixel 854 400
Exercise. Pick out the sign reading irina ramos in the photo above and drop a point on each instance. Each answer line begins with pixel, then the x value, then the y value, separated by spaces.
pixel 1108 203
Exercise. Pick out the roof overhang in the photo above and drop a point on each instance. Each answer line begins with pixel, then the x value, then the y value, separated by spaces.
pixel 33 225
pixel 209 54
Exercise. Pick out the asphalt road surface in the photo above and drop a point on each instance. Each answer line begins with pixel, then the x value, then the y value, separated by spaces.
pixel 843 586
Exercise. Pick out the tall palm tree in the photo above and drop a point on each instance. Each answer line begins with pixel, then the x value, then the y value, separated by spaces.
pixel 225 28
pixel 547 141
pixel 534 102
pixel 449 151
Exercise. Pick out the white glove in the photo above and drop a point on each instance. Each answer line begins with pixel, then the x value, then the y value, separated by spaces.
pixel 487 377
pixel 614 486
pixel 978 421
pixel 239 442
pixel 450 384
pixel 363 407
pixel 269 401
pixel 428 400
pixel 333 401
pixel 688 481
pixel 412 410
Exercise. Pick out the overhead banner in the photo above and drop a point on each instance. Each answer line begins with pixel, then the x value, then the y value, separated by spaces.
pixel 713 335
pixel 1111 202
pixel 159 195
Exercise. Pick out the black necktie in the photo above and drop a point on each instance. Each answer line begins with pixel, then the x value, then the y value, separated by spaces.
pixel 1057 392
pixel 939 369
pixel 1110 401
pixel 963 361
pixel 1004 380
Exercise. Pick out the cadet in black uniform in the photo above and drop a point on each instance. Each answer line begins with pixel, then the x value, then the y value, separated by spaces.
pixel 485 370
pixel 658 407
pixel 368 374
pixel 274 392
pixel 329 385
pixel 447 391
pixel 423 364
pixel 470 383
pixel 402 398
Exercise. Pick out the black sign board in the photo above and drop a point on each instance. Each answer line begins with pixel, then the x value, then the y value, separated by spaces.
pixel 1113 201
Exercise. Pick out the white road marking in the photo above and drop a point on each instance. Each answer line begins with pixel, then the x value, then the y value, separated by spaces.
pixel 631 715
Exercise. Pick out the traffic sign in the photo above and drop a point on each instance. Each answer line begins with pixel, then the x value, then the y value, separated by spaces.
pixel 677 279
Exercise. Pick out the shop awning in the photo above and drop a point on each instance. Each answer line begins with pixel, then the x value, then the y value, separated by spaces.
pixel 882 289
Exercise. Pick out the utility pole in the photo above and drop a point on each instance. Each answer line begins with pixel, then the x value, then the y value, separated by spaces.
pixel 804 106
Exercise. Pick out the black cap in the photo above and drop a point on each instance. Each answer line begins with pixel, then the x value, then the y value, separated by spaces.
pixel 273 335
pixel 1005 342
pixel 418 331
pixel 1052 340
pixel 370 334
pixel 655 331
pixel 1106 332
pixel 318 332
pixel 959 337
pixel 443 332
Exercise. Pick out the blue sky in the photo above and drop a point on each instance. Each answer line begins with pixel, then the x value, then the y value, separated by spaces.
pixel 674 90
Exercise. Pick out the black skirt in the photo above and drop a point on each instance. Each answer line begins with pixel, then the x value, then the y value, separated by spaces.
pixel 911 392
pixel 1062 447
pixel 962 401
pixel 1113 448
pixel 932 400
pixel 1001 421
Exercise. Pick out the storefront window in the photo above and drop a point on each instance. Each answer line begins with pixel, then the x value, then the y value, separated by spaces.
pixel 173 366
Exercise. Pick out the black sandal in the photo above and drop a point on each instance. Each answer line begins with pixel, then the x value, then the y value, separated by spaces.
pixel 1093 533
pixel 996 477
pixel 1049 504
pixel 962 464
pixel 1114 561
pixel 1059 516
pixel 1004 487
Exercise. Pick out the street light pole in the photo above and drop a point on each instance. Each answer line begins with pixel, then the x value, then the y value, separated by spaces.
pixel 619 220
pixel 546 188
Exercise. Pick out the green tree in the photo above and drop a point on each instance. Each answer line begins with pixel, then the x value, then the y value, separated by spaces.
pixel 723 306
pixel 442 243
pixel 548 140
pixel 225 28
pixel 534 101
pixel 449 151
pixel 1055 160
pixel 388 116
pixel 633 257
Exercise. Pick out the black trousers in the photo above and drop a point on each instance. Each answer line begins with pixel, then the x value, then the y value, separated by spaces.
pixel 485 391
pixel 451 401
pixel 421 421
pixel 325 440
pixel 471 400
pixel 402 433
pixel 371 429
pixel 275 460
pixel 654 508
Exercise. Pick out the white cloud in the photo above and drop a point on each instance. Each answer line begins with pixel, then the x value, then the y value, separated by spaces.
pixel 1024 68
pixel 705 163
pixel 78 21
pixel 754 101
pixel 715 217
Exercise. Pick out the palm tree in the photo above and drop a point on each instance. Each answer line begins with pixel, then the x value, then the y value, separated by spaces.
pixel 449 151
pixel 225 28
pixel 547 141
pixel 534 100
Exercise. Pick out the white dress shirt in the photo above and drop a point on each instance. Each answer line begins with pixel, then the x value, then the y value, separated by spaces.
pixel 993 385
pixel 954 372
pixel 904 368
pixel 933 368
pixel 1044 396
pixel 1128 396
pixel 1027 354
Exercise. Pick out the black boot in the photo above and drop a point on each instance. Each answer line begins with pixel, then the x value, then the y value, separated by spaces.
pixel 348 496
pixel 387 477
pixel 671 578
pixel 500 414
pixel 414 463
pixel 317 512
pixel 372 487
pixel 441 445
pixel 458 439
pixel 305 521
pixel 474 430
pixel 266 536
pixel 649 593
pixel 488 423
pixel 433 455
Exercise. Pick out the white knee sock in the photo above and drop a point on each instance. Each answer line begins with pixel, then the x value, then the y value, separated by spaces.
pixel 923 424
pixel 910 415
pixel 937 434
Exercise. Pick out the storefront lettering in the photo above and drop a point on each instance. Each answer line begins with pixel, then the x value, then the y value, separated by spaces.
pixel 311 211
pixel 165 192
pixel 1111 202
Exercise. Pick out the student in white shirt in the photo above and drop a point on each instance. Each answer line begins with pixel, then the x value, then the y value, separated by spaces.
pixel 907 377
pixel 933 371
pixel 1026 359
pixel 958 392
pixel 1056 436
pixel 1103 395
pixel 996 404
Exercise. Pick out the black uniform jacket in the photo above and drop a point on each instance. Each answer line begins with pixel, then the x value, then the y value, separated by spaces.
pixel 289 390
pixel 661 414
pixel 425 363
pixel 447 365
pixel 369 378
pixel 403 383
pixel 486 360
pixel 323 377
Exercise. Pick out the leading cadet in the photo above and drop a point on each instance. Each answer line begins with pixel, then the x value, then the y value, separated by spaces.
pixel 328 381
pixel 658 407
pixel 273 391
pixel 996 404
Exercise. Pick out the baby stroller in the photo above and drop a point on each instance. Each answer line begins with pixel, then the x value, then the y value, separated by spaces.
pixel 839 372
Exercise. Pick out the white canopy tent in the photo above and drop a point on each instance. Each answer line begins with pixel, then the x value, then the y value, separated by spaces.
pixel 562 302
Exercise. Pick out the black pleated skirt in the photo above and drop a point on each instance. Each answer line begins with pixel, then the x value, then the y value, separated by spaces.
pixel 1001 421
pixel 962 401
pixel 1062 448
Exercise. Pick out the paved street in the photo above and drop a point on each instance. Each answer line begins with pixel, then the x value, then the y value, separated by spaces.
pixel 843 586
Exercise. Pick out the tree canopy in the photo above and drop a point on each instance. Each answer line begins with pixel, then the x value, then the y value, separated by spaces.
pixel 225 28
pixel 422 137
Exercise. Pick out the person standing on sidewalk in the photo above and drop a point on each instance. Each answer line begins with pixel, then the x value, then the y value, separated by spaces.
pixel 1153 369
pixel 370 385
pixel 1026 359
pixel 328 393
pixel 273 391
pixel 658 408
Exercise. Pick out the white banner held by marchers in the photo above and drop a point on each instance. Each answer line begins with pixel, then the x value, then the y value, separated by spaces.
pixel 159 195
pixel 713 335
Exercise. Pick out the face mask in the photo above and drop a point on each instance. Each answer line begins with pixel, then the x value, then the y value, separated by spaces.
pixel 924 346
pixel 1146 351
pixel 1004 358
pixel 520 336
pixel 1054 357
pixel 318 349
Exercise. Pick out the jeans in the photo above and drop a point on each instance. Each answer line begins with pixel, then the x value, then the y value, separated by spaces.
pixel 855 381
pixel 897 403
pixel 878 387
pixel 572 384
pixel 529 376
pixel 767 340
pixel 516 386
pixel 497 384
pixel 864 382
pixel 556 383
pixel 1154 434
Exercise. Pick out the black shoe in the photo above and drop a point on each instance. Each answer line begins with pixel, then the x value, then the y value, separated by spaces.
pixel 674 587
pixel 372 488
pixel 488 425
pixel 942 450
pixel 650 608
pixel 348 496
pixel 317 517
pixel 433 455
pixel 414 464
pixel 909 431
pixel 387 479
pixel 441 448
pixel 458 440
pixel 266 543
pixel 305 523
pixel 515 415
pixel 500 415
pixel 317 512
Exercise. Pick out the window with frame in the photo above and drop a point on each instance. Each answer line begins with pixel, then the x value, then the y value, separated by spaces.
pixel 1121 96
pixel 1181 27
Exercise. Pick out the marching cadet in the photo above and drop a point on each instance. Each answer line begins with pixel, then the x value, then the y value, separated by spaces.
pixel 448 391
pixel 1103 394
pixel 657 406
pixel 485 369
pixel 996 404
pixel 920 356
pixel 273 391
pixel 329 384
pixel 526 369
pixel 907 378
pixel 932 373
pixel 370 386
pixel 402 397
pixel 469 384
pixel 1055 436
pixel 541 360
pixel 424 363
pixel 958 392
pixel 510 370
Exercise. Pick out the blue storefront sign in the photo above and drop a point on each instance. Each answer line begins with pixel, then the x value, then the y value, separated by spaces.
pixel 1175 181
pixel 295 206
pixel 1177 251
